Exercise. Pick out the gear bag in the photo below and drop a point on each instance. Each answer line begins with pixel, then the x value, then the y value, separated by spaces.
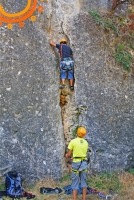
pixel 13 184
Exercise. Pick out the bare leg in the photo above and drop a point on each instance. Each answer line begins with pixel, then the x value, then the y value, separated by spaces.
pixel 84 192
pixel 71 82
pixel 63 81
pixel 74 194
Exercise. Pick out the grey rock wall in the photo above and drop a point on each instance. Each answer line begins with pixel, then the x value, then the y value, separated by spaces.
pixel 107 98
pixel 34 126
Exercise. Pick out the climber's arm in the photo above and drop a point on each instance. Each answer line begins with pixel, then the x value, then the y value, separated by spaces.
pixel 52 43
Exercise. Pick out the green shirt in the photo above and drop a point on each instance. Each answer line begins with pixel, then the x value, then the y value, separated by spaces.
pixel 79 146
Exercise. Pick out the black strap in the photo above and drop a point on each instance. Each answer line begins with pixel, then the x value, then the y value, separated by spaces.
pixel 83 158
pixel 80 162
pixel 79 165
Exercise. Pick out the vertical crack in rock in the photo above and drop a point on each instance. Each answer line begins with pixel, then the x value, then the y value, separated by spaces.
pixel 67 37
pixel 69 110
pixel 67 103
pixel 50 24
pixel 68 106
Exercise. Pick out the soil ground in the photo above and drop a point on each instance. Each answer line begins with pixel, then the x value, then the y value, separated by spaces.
pixel 125 193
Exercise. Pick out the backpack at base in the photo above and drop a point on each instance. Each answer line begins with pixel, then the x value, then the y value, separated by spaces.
pixel 13 184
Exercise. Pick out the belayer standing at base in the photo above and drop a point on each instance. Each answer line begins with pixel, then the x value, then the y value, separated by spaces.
pixel 78 148
pixel 66 63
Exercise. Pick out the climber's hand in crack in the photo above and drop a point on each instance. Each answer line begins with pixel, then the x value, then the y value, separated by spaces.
pixel 52 43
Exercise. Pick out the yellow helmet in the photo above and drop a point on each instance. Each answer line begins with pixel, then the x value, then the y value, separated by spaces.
pixel 81 131
pixel 63 40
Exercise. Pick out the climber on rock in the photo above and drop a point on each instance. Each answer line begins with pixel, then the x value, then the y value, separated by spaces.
pixel 66 63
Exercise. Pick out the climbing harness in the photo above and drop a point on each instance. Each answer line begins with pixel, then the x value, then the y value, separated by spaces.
pixel 66 63
pixel 77 171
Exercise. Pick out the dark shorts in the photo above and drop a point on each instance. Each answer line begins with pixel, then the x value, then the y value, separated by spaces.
pixel 67 68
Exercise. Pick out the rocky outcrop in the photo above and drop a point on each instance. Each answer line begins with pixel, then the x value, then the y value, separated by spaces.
pixel 38 119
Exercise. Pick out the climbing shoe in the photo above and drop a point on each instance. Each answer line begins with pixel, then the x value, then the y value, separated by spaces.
pixel 62 86
pixel 71 87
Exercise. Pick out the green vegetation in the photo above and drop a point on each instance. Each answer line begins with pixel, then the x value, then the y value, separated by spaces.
pixel 105 23
pixel 104 181
pixel 66 178
pixel 2 186
pixel 78 113
pixel 123 57
pixel 131 171
pixel 74 133
pixel 131 46
pixel 96 16
pixel 121 46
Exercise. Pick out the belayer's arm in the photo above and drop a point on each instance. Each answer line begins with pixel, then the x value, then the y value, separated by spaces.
pixel 69 153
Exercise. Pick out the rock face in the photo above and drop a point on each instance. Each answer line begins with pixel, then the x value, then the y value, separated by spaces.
pixel 37 119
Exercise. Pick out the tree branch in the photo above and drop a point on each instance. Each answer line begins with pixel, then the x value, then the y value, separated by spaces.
pixel 117 3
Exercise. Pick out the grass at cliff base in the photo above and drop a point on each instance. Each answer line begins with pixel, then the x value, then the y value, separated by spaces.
pixel 122 185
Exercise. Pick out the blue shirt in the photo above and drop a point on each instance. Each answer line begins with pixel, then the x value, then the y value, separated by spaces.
pixel 66 50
